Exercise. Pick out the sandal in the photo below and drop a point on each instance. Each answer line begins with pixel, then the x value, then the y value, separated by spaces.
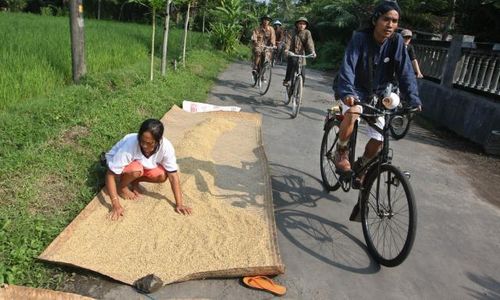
pixel 264 283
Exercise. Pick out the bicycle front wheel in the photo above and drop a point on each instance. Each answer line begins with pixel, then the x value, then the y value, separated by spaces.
pixel 388 216
pixel 297 96
pixel 265 78
pixel 399 126
pixel 328 144
pixel 289 92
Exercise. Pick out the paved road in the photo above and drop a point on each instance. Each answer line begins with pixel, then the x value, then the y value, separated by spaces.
pixel 457 249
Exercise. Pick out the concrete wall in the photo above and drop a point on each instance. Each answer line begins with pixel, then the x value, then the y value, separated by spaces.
pixel 472 116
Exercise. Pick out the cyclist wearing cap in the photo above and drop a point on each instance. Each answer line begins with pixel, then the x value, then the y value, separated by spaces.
pixel 278 31
pixel 280 38
pixel 262 36
pixel 407 35
pixel 300 43
pixel 389 57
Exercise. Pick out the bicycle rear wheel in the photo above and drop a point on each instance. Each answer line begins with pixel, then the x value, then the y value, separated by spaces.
pixel 328 145
pixel 297 96
pixel 265 79
pixel 399 126
pixel 389 228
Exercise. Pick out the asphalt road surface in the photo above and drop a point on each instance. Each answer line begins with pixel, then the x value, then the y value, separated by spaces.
pixel 456 254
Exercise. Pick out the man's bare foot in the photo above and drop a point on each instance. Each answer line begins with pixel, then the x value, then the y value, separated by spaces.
pixel 126 193
pixel 136 189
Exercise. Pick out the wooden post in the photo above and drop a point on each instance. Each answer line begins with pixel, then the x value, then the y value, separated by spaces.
pixel 165 40
pixel 98 9
pixel 77 40
pixel 203 23
pixel 186 24
pixel 153 43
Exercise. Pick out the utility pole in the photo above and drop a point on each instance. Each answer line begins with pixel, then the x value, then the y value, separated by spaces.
pixel 77 39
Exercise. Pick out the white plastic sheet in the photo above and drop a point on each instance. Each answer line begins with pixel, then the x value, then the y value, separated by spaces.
pixel 193 107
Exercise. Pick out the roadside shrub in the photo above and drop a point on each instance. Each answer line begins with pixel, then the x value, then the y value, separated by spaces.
pixel 225 37
pixel 330 55
pixel 16 5
pixel 46 11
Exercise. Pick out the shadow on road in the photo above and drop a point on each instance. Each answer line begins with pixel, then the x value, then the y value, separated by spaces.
pixel 490 287
pixel 294 187
pixel 321 238
pixel 328 241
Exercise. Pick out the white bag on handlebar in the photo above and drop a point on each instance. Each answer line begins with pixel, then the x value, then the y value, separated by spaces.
pixel 391 102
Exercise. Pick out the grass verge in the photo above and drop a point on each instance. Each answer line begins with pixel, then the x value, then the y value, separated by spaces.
pixel 50 148
pixel 35 51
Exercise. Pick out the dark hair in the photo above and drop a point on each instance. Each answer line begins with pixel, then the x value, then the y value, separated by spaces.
pixel 383 7
pixel 155 127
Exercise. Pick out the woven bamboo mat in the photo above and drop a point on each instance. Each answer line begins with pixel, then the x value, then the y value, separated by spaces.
pixel 225 179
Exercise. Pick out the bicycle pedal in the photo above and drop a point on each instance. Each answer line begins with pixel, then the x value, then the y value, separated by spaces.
pixel 357 183
pixel 345 175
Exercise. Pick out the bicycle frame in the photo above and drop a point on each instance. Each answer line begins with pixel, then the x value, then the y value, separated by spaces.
pixel 298 72
pixel 266 59
pixel 383 157
pixel 264 64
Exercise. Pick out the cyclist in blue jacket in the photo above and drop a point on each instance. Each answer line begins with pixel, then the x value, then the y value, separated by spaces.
pixel 390 63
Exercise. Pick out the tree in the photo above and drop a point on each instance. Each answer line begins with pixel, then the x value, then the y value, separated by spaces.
pixel 16 5
pixel 226 31
pixel 165 39
pixel 154 5
pixel 283 9
pixel 77 40
pixel 186 27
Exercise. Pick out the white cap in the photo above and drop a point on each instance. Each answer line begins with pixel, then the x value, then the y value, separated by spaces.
pixel 406 32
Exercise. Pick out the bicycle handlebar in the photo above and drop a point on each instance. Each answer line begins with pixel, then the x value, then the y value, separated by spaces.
pixel 381 112
pixel 290 53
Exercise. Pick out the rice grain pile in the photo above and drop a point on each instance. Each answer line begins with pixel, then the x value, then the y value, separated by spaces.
pixel 224 179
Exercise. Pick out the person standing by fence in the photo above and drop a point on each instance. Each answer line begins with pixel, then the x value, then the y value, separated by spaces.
pixel 407 36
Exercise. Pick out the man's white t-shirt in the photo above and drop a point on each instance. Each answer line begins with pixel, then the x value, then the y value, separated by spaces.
pixel 128 149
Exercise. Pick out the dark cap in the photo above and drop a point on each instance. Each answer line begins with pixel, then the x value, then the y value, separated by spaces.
pixel 266 17
pixel 302 19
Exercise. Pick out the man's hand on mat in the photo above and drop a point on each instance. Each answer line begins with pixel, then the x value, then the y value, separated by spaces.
pixel 116 213
pixel 183 210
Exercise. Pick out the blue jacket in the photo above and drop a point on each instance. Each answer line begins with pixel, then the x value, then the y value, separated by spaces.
pixel 353 77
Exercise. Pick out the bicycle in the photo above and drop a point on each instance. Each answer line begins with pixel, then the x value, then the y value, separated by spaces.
pixel 388 219
pixel 263 78
pixel 278 55
pixel 294 90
